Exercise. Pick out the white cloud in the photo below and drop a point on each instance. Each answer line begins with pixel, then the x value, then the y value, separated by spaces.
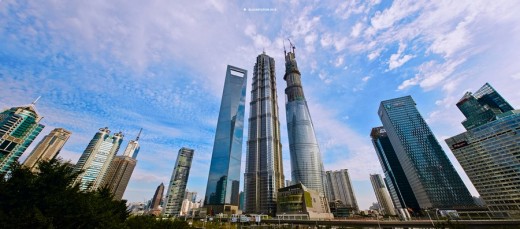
pixel 374 54
pixel 339 61
pixel 398 59
pixel 356 30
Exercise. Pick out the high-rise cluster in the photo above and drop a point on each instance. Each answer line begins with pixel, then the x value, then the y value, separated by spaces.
pixel 407 144
pixel 489 150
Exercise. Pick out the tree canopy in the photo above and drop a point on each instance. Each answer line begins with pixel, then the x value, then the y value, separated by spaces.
pixel 47 199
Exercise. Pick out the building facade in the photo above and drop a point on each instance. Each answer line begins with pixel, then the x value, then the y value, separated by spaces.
pixel 395 179
pixel 430 173
pixel 489 152
pixel 382 195
pixel 19 126
pixel 340 191
pixel 96 159
pixel 306 163
pixel 223 185
pixel 299 202
pixel 482 107
pixel 48 148
pixel 121 169
pixel 155 205
pixel 177 188
pixel 264 170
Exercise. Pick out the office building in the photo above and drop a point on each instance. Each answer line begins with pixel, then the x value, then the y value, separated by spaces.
pixel 223 185
pixel 121 169
pixel 395 179
pixel 19 126
pixel 299 202
pixel 339 189
pixel 191 196
pixel 155 206
pixel 264 170
pixel 482 107
pixel 48 148
pixel 489 152
pixel 306 163
pixel 430 173
pixel 96 159
pixel 178 181
pixel 382 195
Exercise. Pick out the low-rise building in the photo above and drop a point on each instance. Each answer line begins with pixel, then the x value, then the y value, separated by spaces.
pixel 297 201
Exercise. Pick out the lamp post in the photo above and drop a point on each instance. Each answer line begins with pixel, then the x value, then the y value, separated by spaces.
pixel 427 212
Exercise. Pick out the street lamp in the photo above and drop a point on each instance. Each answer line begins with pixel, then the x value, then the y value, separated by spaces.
pixel 427 212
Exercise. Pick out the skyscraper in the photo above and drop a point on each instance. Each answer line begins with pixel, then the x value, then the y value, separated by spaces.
pixel 121 169
pixel 48 148
pixel 224 171
pixel 306 164
pixel 264 169
pixel 177 187
pixel 156 200
pixel 395 178
pixel 489 150
pixel 340 189
pixel 19 126
pixel 482 107
pixel 97 157
pixel 382 195
pixel 430 173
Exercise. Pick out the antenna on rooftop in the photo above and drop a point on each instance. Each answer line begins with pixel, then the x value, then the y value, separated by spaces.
pixel 139 134
pixel 33 103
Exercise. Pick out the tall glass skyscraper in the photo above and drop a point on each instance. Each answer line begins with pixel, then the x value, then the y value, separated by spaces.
pixel 96 158
pixel 264 170
pixel 395 179
pixel 224 171
pixel 177 187
pixel 306 163
pixel 489 152
pixel 430 173
pixel 121 169
pixel 19 126
pixel 48 148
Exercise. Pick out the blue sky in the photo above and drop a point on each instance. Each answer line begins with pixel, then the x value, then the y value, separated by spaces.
pixel 160 65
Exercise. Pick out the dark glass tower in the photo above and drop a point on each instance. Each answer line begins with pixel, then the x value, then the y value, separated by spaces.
pixel 482 107
pixel 306 163
pixel 264 170
pixel 430 173
pixel 400 190
pixel 224 172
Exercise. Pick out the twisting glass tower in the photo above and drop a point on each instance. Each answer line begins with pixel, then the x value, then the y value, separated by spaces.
pixel 264 170
pixel 306 164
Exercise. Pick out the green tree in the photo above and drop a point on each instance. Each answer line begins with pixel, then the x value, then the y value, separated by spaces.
pixel 48 199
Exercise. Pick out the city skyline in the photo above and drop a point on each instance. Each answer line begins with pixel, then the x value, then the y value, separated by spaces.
pixel 95 66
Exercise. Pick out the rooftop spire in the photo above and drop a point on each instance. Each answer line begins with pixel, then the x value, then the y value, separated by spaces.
pixel 34 103
pixel 139 134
